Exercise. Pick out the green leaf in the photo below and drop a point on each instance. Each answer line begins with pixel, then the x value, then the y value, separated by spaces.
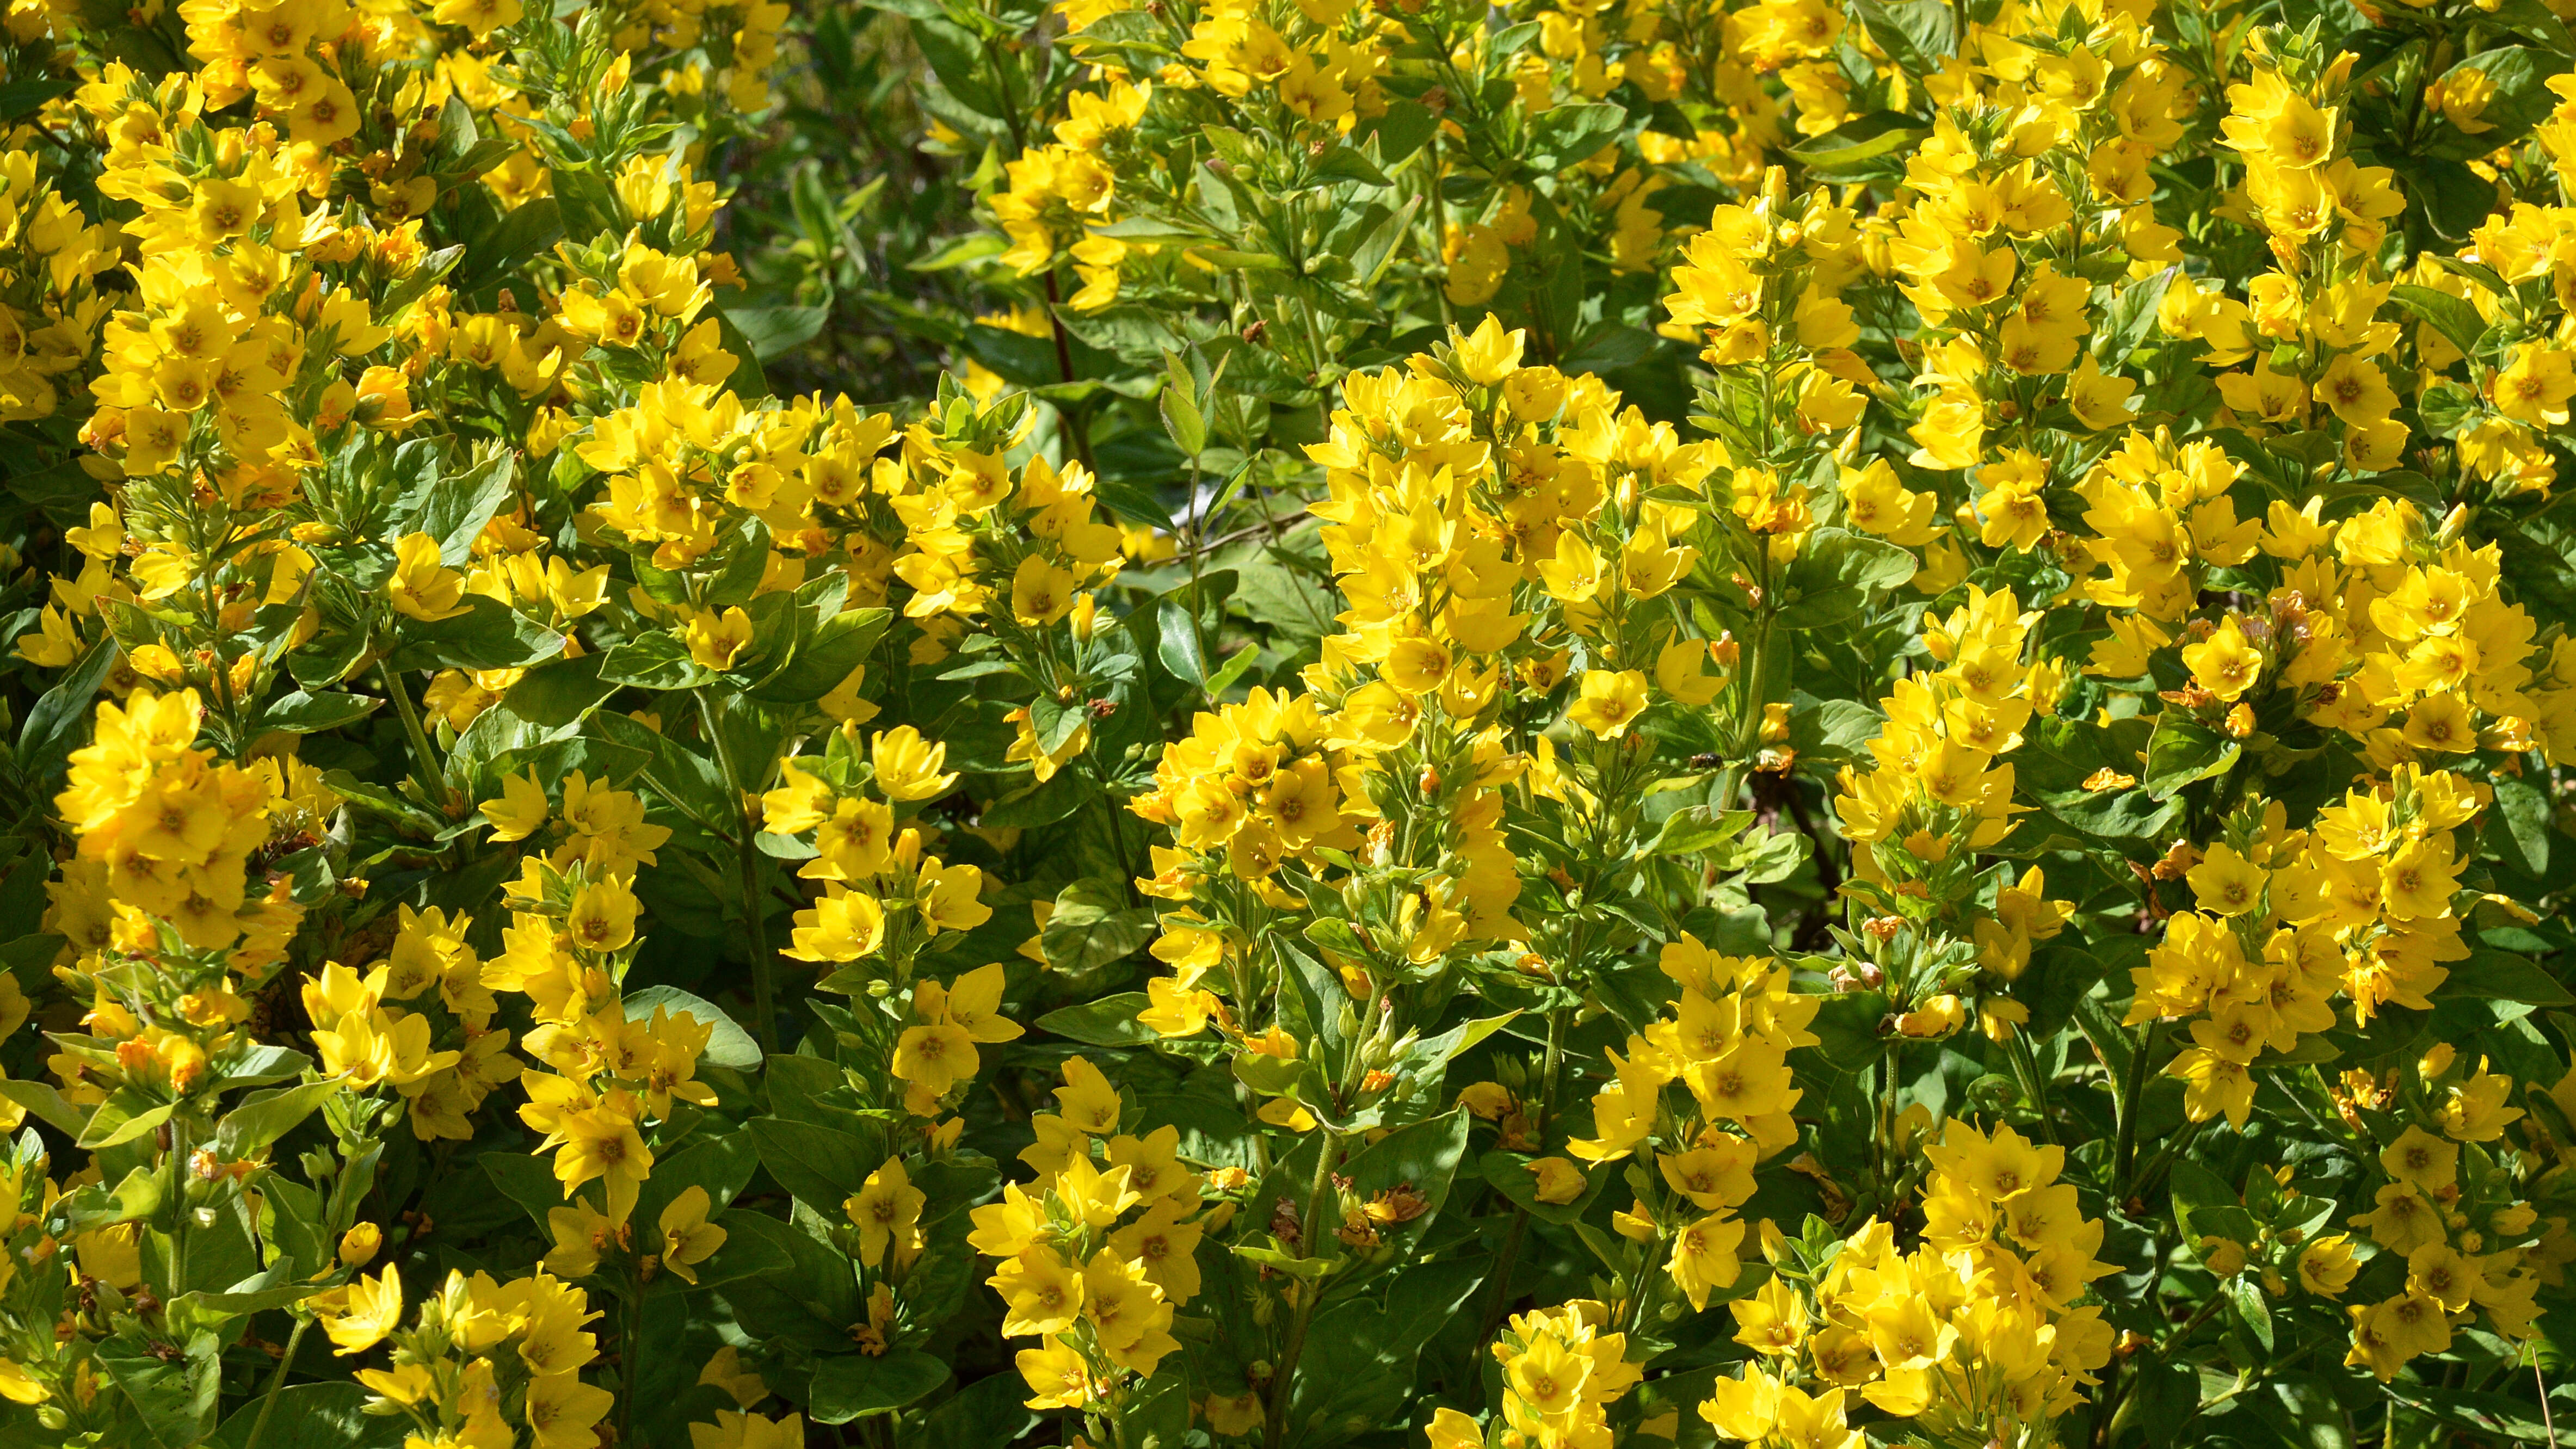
pixel 1839 574
pixel 488 635
pixel 1915 33
pixel 2453 198
pixel 728 1045
pixel 1060 796
pixel 175 1397
pixel 1109 1021
pixel 453 508
pixel 1178 644
pixel 525 1180
pixel 655 661
pixel 524 232
pixel 773 332
pixel 2503 976
pixel 292 1234
pixel 59 721
pixel 1695 829
pixel 1774 857
pixel 1863 146
pixel 803 1269
pixel 1846 1027
pixel 1509 1174
pixel 1569 135
pixel 46 1101
pixel 263 1117
pixel 1054 720
pixel 986 1414
pixel 2245 1297
pixel 966 250
pixel 840 644
pixel 328 1415
pixel 2132 317
pixel 1093 925
pixel 1182 419
pixel 722 1165
pixel 1400 132
pixel 21 99
pixel 821 1165
pixel 1236 665
pixel 854 1386
pixel 1361 1368
pixel 2523 815
pixel 2197 1189
pixel 2493 1418
pixel 1421 1159
pixel 122 1118
pixel 300 713
pixel 2457 321
pixel 2181 752
pixel 2521 99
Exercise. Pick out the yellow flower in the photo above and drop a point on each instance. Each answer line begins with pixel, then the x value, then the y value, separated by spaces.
pixel 687 1237
pixel 887 1210
pixel 563 1412
pixel 909 767
pixel 1043 1291
pixel 843 926
pixel 360 1314
pixel 2327 1265
pixel 2226 663
pixel 603 915
pixel 1488 355
pixel 1609 701
pixel 2227 883
pixel 1089 1102
pixel 1041 593
pixel 420 585
pixel 359 1245
pixel 947 896
pixel 602 1142
pixel 18 1387
pixel 1559 1181
pixel 1058 1376
pixel 715 640
pixel 1704 1257
pixel 935 1057
pixel 521 811
pixel 733 1430
pixel 2421 1160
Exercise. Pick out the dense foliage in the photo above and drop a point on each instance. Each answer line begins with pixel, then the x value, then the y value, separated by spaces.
pixel 1195 724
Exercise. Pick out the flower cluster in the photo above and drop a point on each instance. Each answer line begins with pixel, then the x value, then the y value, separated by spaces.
pixel 1523 727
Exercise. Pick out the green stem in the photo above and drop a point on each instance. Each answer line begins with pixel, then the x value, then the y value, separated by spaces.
pixel 1499 1297
pixel 178 1205
pixel 277 1383
pixel 2124 1152
pixel 2026 1067
pixel 1440 235
pixel 631 1351
pixel 1884 1145
pixel 1548 1070
pixel 1748 727
pixel 2216 1300
pixel 1283 1378
pixel 424 771
pixel 747 858
pixel 2175 1146
pixel 1114 811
